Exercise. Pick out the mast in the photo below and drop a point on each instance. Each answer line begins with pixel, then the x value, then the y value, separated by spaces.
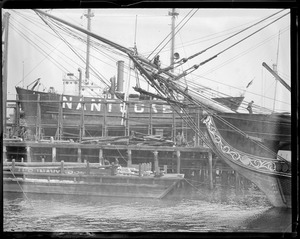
pixel 173 14
pixel 89 15
pixel 4 67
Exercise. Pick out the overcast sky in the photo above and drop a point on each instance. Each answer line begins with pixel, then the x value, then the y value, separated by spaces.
pixel 230 72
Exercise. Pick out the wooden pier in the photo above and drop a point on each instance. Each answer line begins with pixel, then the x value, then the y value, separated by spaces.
pixel 196 163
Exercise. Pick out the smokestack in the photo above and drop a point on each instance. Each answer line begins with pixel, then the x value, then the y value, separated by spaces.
pixel 120 77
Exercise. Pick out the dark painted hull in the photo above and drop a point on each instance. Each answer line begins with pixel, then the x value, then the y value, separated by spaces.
pixel 97 114
pixel 103 116
pixel 272 176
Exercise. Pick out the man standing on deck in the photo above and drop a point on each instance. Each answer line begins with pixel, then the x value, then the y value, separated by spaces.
pixel 178 139
pixel 249 107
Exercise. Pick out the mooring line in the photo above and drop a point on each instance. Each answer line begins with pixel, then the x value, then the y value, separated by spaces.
pixel 21 188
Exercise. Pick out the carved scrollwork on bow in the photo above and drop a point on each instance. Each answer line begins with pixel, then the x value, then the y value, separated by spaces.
pixel 235 155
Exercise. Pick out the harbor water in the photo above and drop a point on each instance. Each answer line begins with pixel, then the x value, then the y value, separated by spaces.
pixel 188 211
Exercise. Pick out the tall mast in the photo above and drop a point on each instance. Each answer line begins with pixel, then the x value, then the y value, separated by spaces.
pixel 4 67
pixel 89 15
pixel 173 14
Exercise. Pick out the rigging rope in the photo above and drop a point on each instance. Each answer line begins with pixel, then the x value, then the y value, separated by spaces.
pixel 235 34
pixel 177 31
pixel 169 91
pixel 195 67
pixel 169 35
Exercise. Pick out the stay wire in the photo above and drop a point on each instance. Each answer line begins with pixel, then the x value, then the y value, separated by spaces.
pixel 195 67
pixel 231 36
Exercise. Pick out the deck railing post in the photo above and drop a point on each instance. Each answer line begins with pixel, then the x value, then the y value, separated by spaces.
pixel 88 168
pixel 165 169
pixel 38 119
pixel 178 161
pixel 173 126
pixel 104 127
pixel 129 160
pixel 150 121
pixel 127 115
pixel 60 119
pixel 28 152
pixel 210 170
pixel 79 155
pixel 13 164
pixel 4 154
pixel 140 169
pixel 17 115
pixel 82 125
pixel 62 169
pixel 101 159
pixel 156 165
pixel 53 154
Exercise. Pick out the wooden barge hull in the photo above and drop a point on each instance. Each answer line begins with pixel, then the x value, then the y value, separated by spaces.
pixel 90 185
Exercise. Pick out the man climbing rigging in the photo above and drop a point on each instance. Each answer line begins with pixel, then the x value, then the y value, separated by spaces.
pixel 156 61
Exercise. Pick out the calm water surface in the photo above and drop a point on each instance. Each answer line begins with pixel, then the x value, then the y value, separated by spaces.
pixel 189 212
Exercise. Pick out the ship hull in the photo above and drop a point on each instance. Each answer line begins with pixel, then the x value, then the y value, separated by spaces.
pixel 94 116
pixel 272 176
